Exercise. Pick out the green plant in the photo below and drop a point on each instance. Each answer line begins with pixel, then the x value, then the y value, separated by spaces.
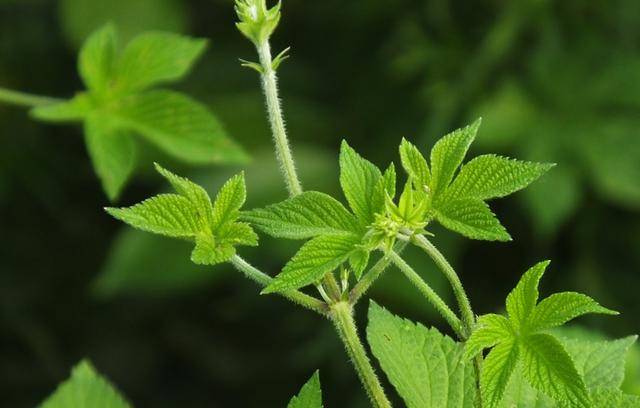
pixel 526 365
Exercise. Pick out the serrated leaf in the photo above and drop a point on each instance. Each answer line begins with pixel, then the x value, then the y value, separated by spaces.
pixel 492 176
pixel 497 370
pixel 178 125
pixel 491 329
pixel 85 389
pixel 209 252
pixel 97 59
pixel 389 180
pixel 304 216
pixel 239 233
pixel 112 151
pixel 548 368
pixel 73 110
pixel 606 398
pixel 359 179
pixel 447 155
pixel 523 298
pixel 316 258
pixel 310 396
pixel 156 57
pixel 414 163
pixel 166 214
pixel 359 260
pixel 229 200
pixel 560 308
pixel 472 218
pixel 425 367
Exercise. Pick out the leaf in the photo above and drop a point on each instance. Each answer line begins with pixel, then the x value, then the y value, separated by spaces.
pixel 414 163
pixel 179 125
pixel 97 59
pixel 491 330
pixel 497 370
pixel 73 110
pixel 229 200
pixel 548 368
pixel 359 260
pixel 166 214
pixel 425 367
pixel 523 298
pixel 492 176
pixel 156 57
pixel 208 252
pixel 85 389
pixel 306 215
pixel 239 233
pixel 310 396
pixel 471 218
pixel 447 155
pixel 606 398
pixel 359 180
pixel 112 152
pixel 316 258
pixel 560 308
pixel 389 180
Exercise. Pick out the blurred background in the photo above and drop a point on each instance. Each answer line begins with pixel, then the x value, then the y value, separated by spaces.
pixel 554 81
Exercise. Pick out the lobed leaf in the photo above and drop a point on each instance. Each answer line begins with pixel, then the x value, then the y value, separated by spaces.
pixel 472 218
pixel 310 396
pixel 230 198
pixel 239 233
pixel 97 59
pixel 523 298
pixel 306 215
pixel 560 308
pixel 389 180
pixel 209 252
pixel 414 163
pixel 491 329
pixel 497 370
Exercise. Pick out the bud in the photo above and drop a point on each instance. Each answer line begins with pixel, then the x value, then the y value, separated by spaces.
pixel 257 22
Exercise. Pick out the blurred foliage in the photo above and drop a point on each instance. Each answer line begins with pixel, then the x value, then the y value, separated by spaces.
pixel 553 81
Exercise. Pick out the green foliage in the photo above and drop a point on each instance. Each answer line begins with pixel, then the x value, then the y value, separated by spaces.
pixel 257 21
pixel 85 389
pixel 520 341
pixel 425 367
pixel 310 395
pixel 191 215
pixel 118 105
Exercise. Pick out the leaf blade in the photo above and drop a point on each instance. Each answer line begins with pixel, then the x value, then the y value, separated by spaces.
pixel 472 218
pixel 310 395
pixel 560 308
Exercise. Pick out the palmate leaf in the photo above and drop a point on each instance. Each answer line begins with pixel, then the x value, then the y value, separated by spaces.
pixel 85 389
pixel 306 215
pixel 523 298
pixel 310 396
pixel 316 258
pixel 472 218
pixel 426 368
pixel 491 329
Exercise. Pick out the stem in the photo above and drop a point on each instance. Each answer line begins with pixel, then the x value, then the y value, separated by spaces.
pixel 342 317
pixel 25 99
pixel 372 275
pixel 263 279
pixel 274 110
pixel 468 317
pixel 429 293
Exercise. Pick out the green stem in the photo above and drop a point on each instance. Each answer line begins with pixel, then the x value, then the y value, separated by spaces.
pixel 25 99
pixel 429 293
pixel 372 275
pixel 468 317
pixel 342 317
pixel 263 279
pixel 274 110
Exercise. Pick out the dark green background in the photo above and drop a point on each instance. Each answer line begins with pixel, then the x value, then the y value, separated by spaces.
pixel 554 81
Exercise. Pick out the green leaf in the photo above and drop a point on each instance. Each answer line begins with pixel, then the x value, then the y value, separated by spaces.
pixel 389 180
pixel 472 218
pixel 316 258
pixel 359 260
pixel 239 233
pixel 491 329
pixel 560 308
pixel 97 59
pixel 156 57
pixel 359 180
pixel 425 367
pixel 179 125
pixel 112 151
pixel 492 176
pixel 447 155
pixel 310 396
pixel 497 370
pixel 210 252
pixel 85 389
pixel 306 215
pixel 523 298
pixel 414 163
pixel 73 110
pixel 548 368
pixel 607 398
pixel 230 198
pixel 166 214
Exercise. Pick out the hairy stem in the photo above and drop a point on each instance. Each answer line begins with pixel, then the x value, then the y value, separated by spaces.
pixel 263 279
pixel 342 317
pixel 468 317
pixel 274 110
pixel 372 275
pixel 25 99
pixel 429 293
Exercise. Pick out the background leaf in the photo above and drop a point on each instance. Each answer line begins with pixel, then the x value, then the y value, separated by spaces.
pixel 310 395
